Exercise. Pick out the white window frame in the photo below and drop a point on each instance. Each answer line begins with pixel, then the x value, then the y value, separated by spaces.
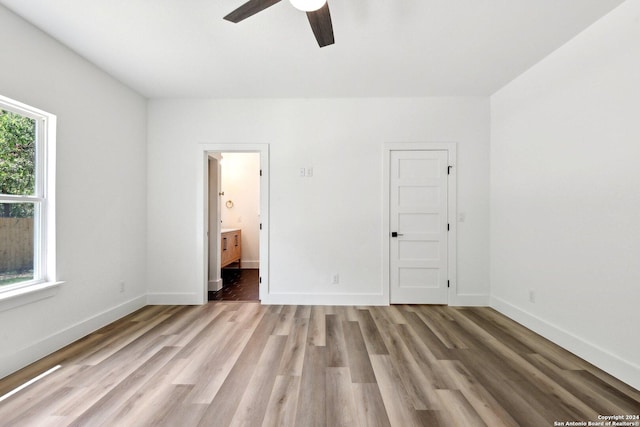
pixel 44 268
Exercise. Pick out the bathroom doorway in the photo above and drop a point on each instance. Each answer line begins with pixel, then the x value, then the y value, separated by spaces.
pixel 236 223
pixel 237 209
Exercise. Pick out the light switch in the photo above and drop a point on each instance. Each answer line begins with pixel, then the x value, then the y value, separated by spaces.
pixel 309 172
pixel 303 172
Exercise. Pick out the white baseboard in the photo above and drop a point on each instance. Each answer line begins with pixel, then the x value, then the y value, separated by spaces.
pixel 215 285
pixel 325 299
pixel 470 300
pixel 248 264
pixel 174 298
pixel 24 357
pixel 361 299
pixel 624 370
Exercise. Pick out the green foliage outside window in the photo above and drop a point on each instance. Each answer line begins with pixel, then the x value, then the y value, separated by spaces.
pixel 17 161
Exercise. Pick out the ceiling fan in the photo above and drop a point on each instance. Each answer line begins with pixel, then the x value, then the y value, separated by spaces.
pixel 317 13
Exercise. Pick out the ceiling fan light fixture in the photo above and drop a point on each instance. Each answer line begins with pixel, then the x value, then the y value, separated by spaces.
pixel 308 5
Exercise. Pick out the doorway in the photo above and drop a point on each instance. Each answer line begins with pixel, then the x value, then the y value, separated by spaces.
pixel 234 203
pixel 235 220
pixel 419 232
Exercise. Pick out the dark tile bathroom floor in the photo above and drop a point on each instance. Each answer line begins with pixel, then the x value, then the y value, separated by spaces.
pixel 239 285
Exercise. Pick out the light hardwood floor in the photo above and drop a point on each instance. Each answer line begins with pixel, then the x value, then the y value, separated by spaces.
pixel 229 363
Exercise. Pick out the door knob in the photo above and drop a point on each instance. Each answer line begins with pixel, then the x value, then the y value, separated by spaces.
pixel 395 234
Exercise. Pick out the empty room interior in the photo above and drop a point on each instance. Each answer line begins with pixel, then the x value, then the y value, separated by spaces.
pixel 435 205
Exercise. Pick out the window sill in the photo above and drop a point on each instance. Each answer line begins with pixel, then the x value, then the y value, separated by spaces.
pixel 27 295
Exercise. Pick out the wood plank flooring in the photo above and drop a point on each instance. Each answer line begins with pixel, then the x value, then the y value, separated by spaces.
pixel 244 364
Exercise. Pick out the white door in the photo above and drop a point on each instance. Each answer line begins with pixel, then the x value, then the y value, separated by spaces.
pixel 418 224
pixel 215 170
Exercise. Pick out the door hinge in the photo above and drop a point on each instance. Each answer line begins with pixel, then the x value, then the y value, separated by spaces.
pixel 448 227
pixel 260 226
pixel 449 170
pixel 448 284
pixel 260 280
pixel 260 172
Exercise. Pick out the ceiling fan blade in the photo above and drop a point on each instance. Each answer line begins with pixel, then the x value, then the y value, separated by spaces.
pixel 320 21
pixel 248 9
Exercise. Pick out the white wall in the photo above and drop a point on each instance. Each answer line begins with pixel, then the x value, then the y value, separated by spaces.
pixel 101 184
pixel 241 185
pixel 565 204
pixel 330 223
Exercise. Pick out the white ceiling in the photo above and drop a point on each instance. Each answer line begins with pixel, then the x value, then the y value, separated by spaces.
pixel 183 48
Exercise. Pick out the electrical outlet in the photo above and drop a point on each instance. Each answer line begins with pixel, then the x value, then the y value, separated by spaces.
pixel 335 279
pixel 122 287
pixel 303 172
pixel 532 296
pixel 309 172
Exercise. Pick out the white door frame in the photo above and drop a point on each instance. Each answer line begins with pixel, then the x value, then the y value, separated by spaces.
pixel 450 147
pixel 202 211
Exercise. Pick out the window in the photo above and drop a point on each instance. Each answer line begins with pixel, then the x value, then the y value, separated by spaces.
pixel 26 196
